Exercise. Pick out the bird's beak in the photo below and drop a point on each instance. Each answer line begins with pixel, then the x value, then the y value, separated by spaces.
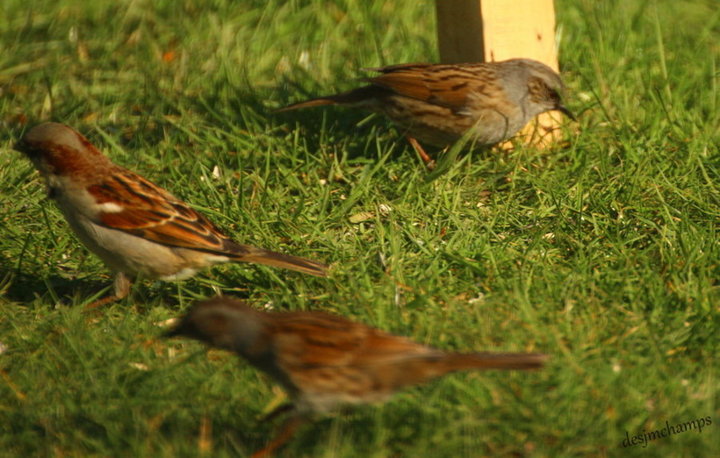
pixel 566 112
pixel 181 328
pixel 175 331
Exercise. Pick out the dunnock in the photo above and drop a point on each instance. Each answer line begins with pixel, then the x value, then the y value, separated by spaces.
pixel 324 361
pixel 133 225
pixel 438 103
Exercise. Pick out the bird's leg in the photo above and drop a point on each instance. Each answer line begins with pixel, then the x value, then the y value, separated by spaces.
pixel 287 430
pixel 121 288
pixel 276 412
pixel 429 162
pixel 101 302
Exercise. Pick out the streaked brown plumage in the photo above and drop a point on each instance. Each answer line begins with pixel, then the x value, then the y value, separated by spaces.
pixel 134 226
pixel 324 361
pixel 437 103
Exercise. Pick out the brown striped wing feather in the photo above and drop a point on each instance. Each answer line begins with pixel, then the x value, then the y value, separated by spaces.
pixel 317 339
pixel 443 85
pixel 152 213
pixel 332 356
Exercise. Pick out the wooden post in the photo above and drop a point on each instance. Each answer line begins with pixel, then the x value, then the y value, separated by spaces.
pixel 460 31
pixel 493 30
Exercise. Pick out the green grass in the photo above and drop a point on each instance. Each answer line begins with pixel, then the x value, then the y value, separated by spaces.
pixel 604 254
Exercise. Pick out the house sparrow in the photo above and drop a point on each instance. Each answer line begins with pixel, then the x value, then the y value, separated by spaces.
pixel 438 103
pixel 133 225
pixel 324 361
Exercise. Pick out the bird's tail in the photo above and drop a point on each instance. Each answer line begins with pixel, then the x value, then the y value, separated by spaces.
pixel 247 253
pixel 426 367
pixel 468 361
pixel 320 101
pixel 355 97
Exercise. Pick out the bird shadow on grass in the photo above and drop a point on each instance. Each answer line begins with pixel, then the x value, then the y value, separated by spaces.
pixel 24 289
pixel 320 128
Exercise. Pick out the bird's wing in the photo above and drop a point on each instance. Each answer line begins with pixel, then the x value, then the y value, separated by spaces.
pixel 319 339
pixel 127 202
pixel 443 85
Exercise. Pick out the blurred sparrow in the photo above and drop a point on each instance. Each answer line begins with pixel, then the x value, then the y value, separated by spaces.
pixel 134 226
pixel 438 103
pixel 324 361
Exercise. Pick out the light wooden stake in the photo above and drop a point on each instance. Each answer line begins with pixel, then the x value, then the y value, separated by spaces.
pixel 493 30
